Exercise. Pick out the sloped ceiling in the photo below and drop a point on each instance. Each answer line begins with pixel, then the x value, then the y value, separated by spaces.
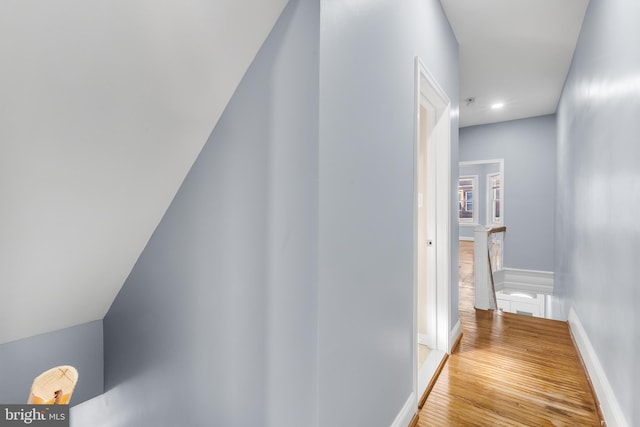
pixel 513 52
pixel 104 107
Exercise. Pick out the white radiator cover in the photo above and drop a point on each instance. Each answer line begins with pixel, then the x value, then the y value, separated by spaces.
pixel 523 291
pixel 513 301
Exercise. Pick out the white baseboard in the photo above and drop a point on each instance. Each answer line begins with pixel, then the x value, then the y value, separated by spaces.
pixel 534 281
pixel 609 405
pixel 466 239
pixel 453 336
pixel 407 412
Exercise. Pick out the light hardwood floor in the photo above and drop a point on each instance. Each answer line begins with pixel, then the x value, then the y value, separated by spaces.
pixel 509 370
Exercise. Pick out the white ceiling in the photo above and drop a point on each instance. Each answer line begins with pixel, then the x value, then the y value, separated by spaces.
pixel 517 52
pixel 104 107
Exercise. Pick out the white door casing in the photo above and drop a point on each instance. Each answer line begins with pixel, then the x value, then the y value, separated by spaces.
pixel 430 96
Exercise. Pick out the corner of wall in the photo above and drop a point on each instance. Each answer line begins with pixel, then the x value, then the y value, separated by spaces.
pixel 80 346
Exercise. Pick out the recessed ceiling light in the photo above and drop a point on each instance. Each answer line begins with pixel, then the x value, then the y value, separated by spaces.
pixel 497 106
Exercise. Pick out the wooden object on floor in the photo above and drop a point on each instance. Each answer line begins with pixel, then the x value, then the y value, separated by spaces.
pixel 54 387
pixel 509 370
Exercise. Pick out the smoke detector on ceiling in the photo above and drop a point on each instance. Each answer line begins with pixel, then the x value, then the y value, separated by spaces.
pixel 470 101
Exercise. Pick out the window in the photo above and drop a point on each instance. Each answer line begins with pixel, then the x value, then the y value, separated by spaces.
pixel 494 184
pixel 466 200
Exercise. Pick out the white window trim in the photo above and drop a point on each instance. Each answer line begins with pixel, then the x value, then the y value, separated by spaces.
pixel 484 162
pixel 474 219
pixel 489 199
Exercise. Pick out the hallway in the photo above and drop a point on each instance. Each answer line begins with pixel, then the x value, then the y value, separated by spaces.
pixel 509 370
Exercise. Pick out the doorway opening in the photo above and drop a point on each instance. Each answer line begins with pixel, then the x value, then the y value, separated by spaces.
pixel 484 204
pixel 487 204
pixel 432 226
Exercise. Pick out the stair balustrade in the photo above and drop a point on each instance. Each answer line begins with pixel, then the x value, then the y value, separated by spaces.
pixel 488 256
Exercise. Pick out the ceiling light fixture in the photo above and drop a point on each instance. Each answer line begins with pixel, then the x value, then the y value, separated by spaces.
pixel 497 106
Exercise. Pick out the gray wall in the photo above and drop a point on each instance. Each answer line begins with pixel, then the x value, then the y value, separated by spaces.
pixel 365 291
pixel 598 233
pixel 79 346
pixel 215 325
pixel 278 289
pixel 480 198
pixel 528 147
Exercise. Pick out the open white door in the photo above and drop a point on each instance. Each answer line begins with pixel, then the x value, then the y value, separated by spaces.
pixel 432 222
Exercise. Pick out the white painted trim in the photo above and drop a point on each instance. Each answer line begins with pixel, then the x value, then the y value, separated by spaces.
pixel 609 405
pixel 429 369
pixel 416 151
pixel 466 239
pixel 416 219
pixel 422 339
pixel 407 412
pixel 453 336
pixel 443 225
pixel 489 196
pixel 426 85
pixel 480 162
pixel 518 301
pixel 431 253
pixel 498 279
pixel 534 281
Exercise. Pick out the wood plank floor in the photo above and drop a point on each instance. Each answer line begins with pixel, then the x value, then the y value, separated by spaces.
pixel 509 370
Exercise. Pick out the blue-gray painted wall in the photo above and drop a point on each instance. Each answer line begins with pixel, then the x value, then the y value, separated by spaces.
pixel 289 248
pixel 365 291
pixel 79 346
pixel 528 147
pixel 598 232
pixel 216 324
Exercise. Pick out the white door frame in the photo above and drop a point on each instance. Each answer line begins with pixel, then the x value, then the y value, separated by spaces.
pixel 426 87
pixel 426 214
pixel 500 163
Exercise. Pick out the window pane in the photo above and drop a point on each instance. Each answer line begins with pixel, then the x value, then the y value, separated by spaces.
pixel 466 188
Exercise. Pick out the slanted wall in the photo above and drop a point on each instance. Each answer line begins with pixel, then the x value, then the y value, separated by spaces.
pixel 278 288
pixel 215 325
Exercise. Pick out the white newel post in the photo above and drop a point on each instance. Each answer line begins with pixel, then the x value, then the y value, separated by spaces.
pixel 481 268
